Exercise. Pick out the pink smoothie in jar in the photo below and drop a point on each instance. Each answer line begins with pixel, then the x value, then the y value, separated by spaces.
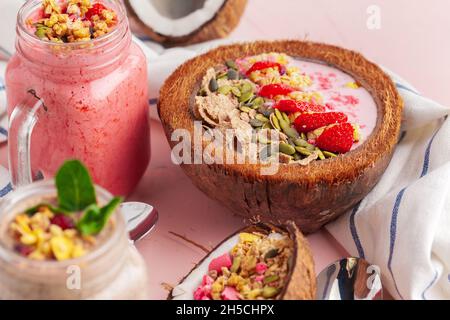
pixel 94 101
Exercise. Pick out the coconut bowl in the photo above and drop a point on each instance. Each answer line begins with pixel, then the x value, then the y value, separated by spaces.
pixel 301 283
pixel 311 195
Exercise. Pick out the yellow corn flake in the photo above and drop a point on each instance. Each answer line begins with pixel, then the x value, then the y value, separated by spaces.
pixel 248 237
pixel 78 251
pixel 314 96
pixel 62 248
pixel 56 231
pixel 37 255
pixel 352 85
pixel 28 239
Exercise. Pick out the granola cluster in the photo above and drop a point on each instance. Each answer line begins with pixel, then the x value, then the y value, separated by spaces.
pixel 255 269
pixel 45 235
pixel 73 21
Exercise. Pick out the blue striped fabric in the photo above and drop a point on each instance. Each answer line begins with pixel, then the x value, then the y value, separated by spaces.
pixel 354 232
pixel 395 212
pixel 5 190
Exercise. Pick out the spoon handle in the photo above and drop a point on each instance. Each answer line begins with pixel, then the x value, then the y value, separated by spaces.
pixel 140 218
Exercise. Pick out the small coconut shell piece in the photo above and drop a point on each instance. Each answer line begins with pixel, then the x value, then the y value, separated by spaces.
pixel 310 195
pixel 218 26
pixel 301 284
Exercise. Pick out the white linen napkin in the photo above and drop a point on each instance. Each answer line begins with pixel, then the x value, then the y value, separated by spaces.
pixel 403 225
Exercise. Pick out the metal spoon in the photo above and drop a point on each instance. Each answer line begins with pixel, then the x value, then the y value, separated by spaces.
pixel 350 279
pixel 140 217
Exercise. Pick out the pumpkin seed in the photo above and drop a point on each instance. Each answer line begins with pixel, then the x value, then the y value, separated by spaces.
pixel 232 74
pixel 269 292
pixel 303 151
pixel 286 148
pixel 236 264
pixel 256 123
pixel 283 124
pixel 278 114
pixel 261 117
pixel 246 96
pixel 270 279
pixel 291 132
pixel 274 121
pixel 258 101
pixel 303 135
pixel 41 32
pixel 246 87
pixel 267 125
pixel 302 143
pixel 262 138
pixel 225 90
pixel 329 154
pixel 320 153
pixel 297 157
pixel 222 75
pixel 245 109
pixel 265 152
pixel 213 86
pixel 231 64
pixel 265 110
pixel 236 91
pixel 285 117
pixel 272 253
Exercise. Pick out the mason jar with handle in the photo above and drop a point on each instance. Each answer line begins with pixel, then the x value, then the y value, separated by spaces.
pixel 113 270
pixel 85 100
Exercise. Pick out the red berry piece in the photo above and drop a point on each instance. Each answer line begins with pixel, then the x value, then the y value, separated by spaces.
pixel 23 250
pixel 96 9
pixel 64 222
pixel 307 122
pixel 338 138
pixel 273 90
pixel 288 106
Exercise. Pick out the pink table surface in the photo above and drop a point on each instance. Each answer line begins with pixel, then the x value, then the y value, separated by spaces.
pixel 411 41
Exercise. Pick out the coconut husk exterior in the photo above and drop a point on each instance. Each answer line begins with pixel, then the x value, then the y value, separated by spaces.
pixel 302 278
pixel 311 195
pixel 220 26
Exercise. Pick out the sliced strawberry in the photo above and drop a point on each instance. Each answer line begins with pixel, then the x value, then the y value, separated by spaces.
pixel 307 122
pixel 338 138
pixel 273 90
pixel 96 10
pixel 262 65
pixel 310 107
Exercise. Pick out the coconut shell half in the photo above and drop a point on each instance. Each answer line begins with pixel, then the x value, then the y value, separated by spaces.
pixel 302 280
pixel 218 26
pixel 311 195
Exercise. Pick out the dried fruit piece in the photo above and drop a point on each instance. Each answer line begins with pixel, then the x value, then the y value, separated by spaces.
pixel 96 10
pixel 224 261
pixel 310 121
pixel 63 221
pixel 61 248
pixel 338 138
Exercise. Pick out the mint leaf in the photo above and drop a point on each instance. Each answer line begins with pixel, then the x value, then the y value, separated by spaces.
pixel 31 211
pixel 94 218
pixel 75 188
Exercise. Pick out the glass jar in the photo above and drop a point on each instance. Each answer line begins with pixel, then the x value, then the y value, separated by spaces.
pixel 84 100
pixel 113 270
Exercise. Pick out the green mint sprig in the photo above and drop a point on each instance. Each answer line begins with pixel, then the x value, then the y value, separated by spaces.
pixel 76 193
